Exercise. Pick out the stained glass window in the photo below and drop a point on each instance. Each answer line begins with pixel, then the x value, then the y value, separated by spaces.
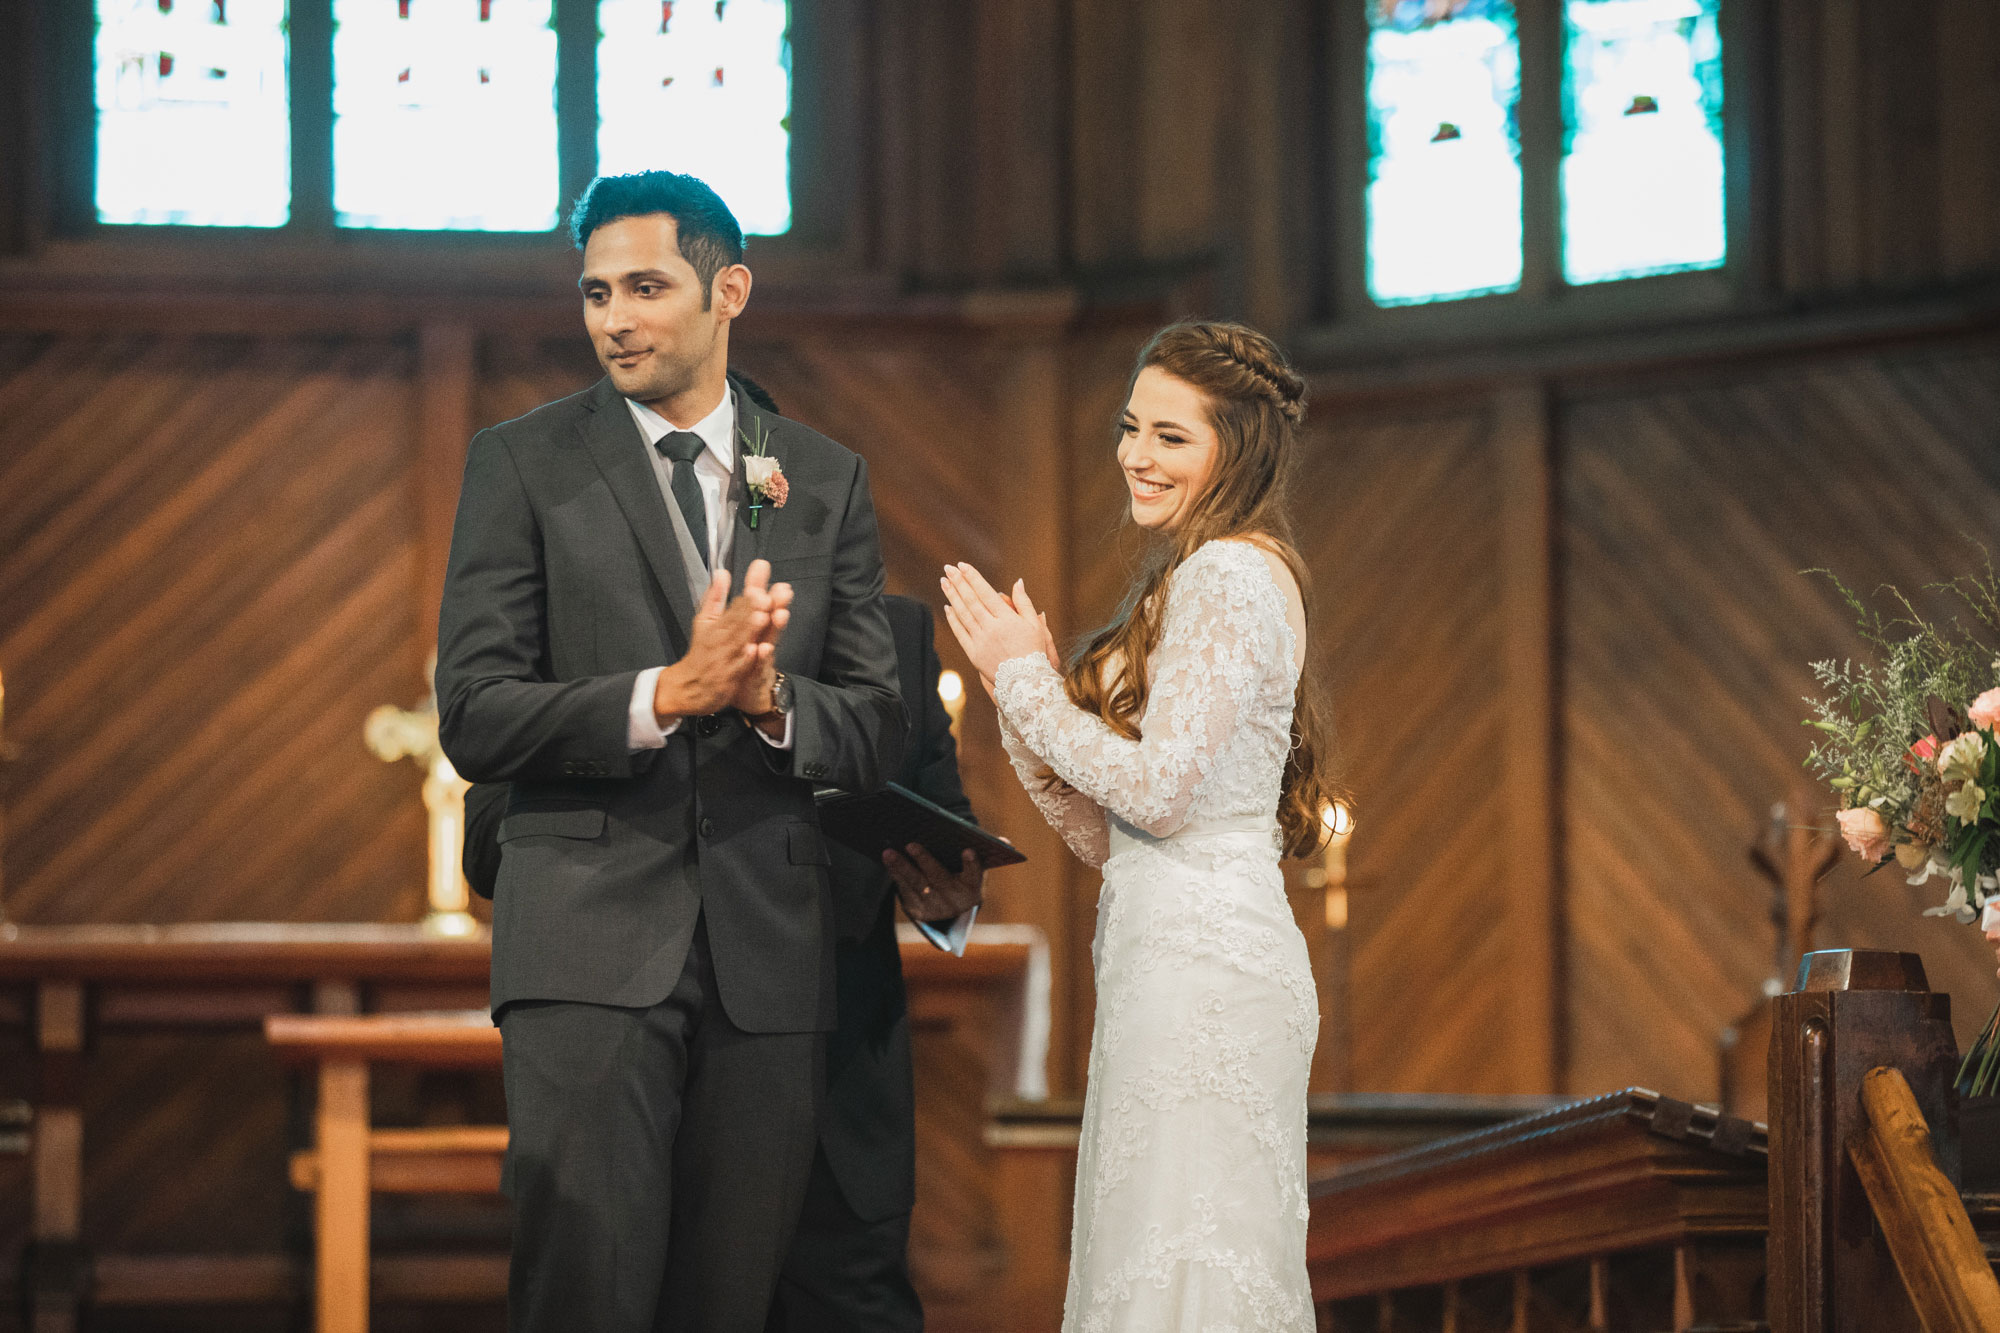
pixel 444 114
pixel 1642 175
pixel 702 87
pixel 1444 188
pixel 193 113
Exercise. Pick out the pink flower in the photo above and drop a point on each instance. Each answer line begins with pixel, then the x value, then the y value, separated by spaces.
pixel 1922 752
pixel 1865 833
pixel 777 489
pixel 1985 710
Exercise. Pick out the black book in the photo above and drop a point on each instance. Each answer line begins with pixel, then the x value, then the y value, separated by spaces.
pixel 896 817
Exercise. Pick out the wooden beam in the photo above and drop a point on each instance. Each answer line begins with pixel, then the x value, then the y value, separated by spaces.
pixel 1943 1264
pixel 1523 447
pixel 446 373
pixel 340 1212
pixel 58 1143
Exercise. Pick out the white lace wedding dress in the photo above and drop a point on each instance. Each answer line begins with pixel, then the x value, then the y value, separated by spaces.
pixel 1190 1189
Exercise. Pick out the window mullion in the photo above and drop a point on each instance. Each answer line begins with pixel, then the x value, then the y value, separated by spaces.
pixel 311 78
pixel 576 95
pixel 1541 123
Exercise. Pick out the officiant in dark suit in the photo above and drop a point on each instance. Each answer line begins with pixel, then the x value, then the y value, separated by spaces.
pixel 663 941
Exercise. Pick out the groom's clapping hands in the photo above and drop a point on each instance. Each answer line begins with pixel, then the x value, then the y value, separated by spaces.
pixel 731 656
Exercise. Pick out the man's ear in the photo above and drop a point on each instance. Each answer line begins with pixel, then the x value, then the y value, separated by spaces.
pixel 730 292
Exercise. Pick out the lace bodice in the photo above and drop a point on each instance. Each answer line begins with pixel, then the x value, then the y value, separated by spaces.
pixel 1218 720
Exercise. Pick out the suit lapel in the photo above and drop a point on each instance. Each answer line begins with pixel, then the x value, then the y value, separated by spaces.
pixel 747 543
pixel 617 447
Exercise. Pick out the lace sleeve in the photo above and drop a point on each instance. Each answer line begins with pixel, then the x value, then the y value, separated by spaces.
pixel 1075 816
pixel 1218 628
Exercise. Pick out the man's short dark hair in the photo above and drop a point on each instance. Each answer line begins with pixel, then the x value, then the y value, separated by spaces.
pixel 710 238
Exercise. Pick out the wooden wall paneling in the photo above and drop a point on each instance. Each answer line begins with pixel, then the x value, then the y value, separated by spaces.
pixel 1018 124
pixel 1187 74
pixel 445 405
pixel 1104 127
pixel 1837 134
pixel 1524 456
pixel 1688 510
pixel 1900 72
pixel 1399 520
pixel 203 589
pixel 1967 38
pixel 1267 177
pixel 1798 93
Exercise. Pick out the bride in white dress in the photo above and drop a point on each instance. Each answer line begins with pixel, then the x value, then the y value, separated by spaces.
pixel 1178 751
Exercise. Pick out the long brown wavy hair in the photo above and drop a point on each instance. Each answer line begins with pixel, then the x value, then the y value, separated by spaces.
pixel 1256 403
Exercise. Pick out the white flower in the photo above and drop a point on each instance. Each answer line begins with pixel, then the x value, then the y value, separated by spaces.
pixel 1954 905
pixel 758 469
pixel 1961 758
pixel 1965 802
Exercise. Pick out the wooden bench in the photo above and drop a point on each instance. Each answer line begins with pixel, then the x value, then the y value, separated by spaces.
pixel 350 1159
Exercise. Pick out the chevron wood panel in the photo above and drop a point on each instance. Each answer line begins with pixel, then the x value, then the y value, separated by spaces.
pixel 205 584
pixel 206 581
pixel 1689 510
pixel 1399 520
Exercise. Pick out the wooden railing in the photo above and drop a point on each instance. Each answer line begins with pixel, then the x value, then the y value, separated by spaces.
pixel 1629 1211
pixel 1634 1213
pixel 1943 1265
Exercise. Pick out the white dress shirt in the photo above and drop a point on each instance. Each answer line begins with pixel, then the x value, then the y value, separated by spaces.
pixel 713 468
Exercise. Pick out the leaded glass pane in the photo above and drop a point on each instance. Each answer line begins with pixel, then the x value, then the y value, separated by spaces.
pixel 1643 171
pixel 1444 186
pixel 193 113
pixel 702 87
pixel 444 114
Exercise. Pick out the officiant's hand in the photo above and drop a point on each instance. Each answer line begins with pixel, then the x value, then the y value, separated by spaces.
pixel 991 628
pixel 729 643
pixel 927 890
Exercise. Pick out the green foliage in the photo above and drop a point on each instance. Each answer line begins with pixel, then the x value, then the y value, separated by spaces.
pixel 1869 715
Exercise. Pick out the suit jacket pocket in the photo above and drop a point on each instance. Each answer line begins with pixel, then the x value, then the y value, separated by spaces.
pixel 799 568
pixel 577 822
pixel 807 847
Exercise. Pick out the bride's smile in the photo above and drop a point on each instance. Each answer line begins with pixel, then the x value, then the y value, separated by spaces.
pixel 1166 447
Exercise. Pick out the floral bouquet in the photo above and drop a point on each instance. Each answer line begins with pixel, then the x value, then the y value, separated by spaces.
pixel 1908 745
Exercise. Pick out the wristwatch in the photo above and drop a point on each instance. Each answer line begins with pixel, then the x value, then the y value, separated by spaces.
pixel 781 699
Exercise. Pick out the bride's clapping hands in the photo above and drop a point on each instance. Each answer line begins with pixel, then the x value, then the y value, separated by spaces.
pixel 989 627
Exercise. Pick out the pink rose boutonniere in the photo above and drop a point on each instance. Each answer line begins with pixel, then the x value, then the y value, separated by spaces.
pixel 761 473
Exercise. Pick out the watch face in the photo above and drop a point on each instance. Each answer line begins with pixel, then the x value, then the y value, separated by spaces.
pixel 781 694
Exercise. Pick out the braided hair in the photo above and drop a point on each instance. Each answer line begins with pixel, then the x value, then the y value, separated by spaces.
pixel 1256 403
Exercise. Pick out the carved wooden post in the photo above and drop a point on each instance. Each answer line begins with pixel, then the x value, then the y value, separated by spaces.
pixel 1853 1010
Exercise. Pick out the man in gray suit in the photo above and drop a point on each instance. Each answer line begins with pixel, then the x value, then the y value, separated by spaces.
pixel 662 937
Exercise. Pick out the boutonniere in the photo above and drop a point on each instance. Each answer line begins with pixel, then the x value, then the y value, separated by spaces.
pixel 761 473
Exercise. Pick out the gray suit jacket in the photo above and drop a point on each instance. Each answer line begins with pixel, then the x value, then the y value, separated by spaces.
pixel 565 581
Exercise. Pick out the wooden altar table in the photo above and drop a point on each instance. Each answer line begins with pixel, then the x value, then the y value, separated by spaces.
pixel 66 983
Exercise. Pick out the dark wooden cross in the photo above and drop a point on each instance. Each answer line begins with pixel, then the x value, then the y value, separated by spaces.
pixel 1795 856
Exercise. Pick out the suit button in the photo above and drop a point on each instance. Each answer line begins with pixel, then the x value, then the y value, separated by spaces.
pixel 707 827
pixel 708 726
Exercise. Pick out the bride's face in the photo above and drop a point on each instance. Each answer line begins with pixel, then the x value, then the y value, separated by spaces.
pixel 1166 447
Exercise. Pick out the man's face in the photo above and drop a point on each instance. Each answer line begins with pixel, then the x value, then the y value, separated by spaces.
pixel 652 324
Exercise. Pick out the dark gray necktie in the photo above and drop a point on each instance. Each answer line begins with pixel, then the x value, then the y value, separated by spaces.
pixel 683 447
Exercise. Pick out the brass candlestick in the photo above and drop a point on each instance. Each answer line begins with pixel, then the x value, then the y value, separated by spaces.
pixel 1331 873
pixel 951 689
pixel 395 733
